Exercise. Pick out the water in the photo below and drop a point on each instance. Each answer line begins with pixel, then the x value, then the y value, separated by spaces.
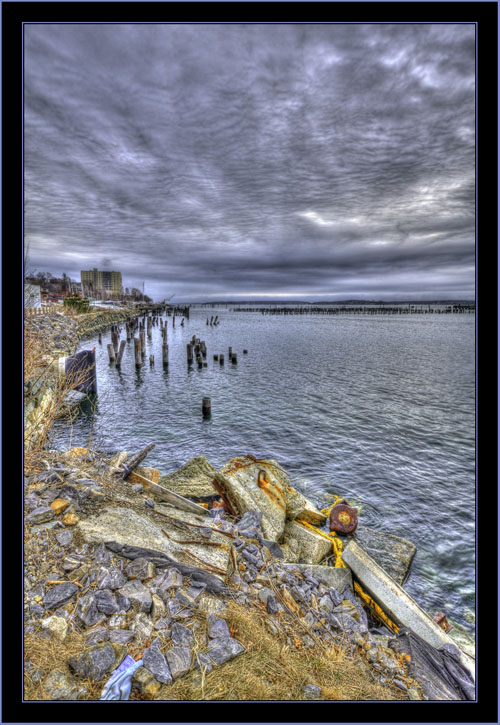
pixel 380 409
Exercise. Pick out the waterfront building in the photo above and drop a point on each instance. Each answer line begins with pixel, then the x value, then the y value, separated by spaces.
pixel 95 280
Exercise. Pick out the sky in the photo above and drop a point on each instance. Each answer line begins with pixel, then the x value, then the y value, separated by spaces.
pixel 212 162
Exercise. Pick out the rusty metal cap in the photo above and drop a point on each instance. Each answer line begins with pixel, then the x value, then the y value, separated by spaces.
pixel 343 519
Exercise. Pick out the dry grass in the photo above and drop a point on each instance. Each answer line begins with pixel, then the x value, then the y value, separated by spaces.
pixel 270 669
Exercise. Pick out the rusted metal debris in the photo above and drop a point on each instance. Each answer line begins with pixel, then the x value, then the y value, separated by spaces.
pixel 440 619
pixel 343 518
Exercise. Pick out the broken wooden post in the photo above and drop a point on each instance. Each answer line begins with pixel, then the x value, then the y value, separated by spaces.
pixel 100 338
pixel 164 349
pixel 151 359
pixel 138 352
pixel 221 359
pixel 111 352
pixel 206 407
pixel 234 358
pixel 189 353
pixel 133 462
pixel 120 353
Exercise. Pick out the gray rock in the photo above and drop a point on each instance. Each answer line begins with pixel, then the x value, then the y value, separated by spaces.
pixel 106 601
pixel 100 634
pixel 142 626
pixel 326 603
pixel 150 503
pixel 33 672
pixel 222 650
pixel 73 561
pixel 312 692
pixel 137 488
pixel 60 595
pixel 217 627
pixel 203 662
pixel 173 579
pixel 57 686
pixel 40 515
pixel 117 621
pixel 140 569
pixel 65 538
pixel 179 661
pixel 122 602
pixel 194 479
pixel 138 595
pixel 87 611
pixel 162 624
pixel 110 578
pixel 102 555
pixel 95 662
pixel 121 636
pixel 155 662
pixel 182 635
pixel 37 611
pixel 272 605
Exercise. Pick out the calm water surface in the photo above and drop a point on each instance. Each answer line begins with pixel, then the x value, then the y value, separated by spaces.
pixel 380 409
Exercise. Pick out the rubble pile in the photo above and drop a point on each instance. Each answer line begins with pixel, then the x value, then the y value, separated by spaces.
pixel 136 576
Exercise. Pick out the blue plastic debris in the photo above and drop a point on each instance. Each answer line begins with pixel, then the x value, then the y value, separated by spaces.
pixel 119 685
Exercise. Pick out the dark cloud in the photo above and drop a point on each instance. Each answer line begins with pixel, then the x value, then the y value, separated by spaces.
pixel 252 159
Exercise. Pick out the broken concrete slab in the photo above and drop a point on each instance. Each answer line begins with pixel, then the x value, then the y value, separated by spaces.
pixel 249 484
pixel 392 553
pixel 175 537
pixel 400 607
pixel 171 497
pixel 193 480
pixel 299 507
pixel 310 546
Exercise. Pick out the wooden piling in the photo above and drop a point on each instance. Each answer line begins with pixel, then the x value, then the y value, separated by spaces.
pixel 216 357
pixel 138 352
pixel 245 352
pixel 234 358
pixel 189 347
pixel 164 350
pixel 111 352
pixel 221 359
pixel 151 359
pixel 206 407
pixel 120 353
pixel 100 338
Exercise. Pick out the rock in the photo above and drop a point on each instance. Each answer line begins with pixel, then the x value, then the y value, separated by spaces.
pixel 138 595
pixel 223 649
pixel 87 611
pixel 125 527
pixel 272 605
pixel 158 609
pixel 337 577
pixel 211 605
pixel 299 507
pixel 138 488
pixel 59 595
pixel 250 525
pixel 245 488
pixel 106 601
pixel 179 661
pixel 182 635
pixel 193 480
pixel 202 662
pixel 145 682
pixel 40 515
pixel 110 578
pixel 312 546
pixel 155 662
pixel 57 686
pixel 70 519
pixel 65 538
pixel 140 569
pixel 100 634
pixel 117 621
pixel 142 626
pixel 73 561
pixel 217 627
pixel 392 553
pixel 57 626
pixel 173 579
pixel 312 692
pixel 94 662
pixel 102 556
pixel 121 636
pixel 59 505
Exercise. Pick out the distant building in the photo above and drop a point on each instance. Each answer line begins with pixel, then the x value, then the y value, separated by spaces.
pixel 95 280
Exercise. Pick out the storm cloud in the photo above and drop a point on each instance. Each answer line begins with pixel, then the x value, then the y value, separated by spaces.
pixel 238 161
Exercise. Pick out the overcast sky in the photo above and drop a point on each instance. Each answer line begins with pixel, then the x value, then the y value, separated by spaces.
pixel 305 161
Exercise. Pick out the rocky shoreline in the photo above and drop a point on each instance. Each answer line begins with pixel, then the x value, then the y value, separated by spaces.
pixel 113 569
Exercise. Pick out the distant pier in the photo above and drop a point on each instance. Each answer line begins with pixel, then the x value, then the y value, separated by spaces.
pixel 404 309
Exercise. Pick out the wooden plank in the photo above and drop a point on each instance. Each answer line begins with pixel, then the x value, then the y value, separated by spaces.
pixel 164 494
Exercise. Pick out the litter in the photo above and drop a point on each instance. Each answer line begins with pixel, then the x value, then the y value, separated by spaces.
pixel 119 685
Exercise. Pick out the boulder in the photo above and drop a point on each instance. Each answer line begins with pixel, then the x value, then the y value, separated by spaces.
pixel 155 662
pixel 193 480
pixel 311 546
pixel 249 485
pixel 96 661
pixel 223 649
pixel 181 543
